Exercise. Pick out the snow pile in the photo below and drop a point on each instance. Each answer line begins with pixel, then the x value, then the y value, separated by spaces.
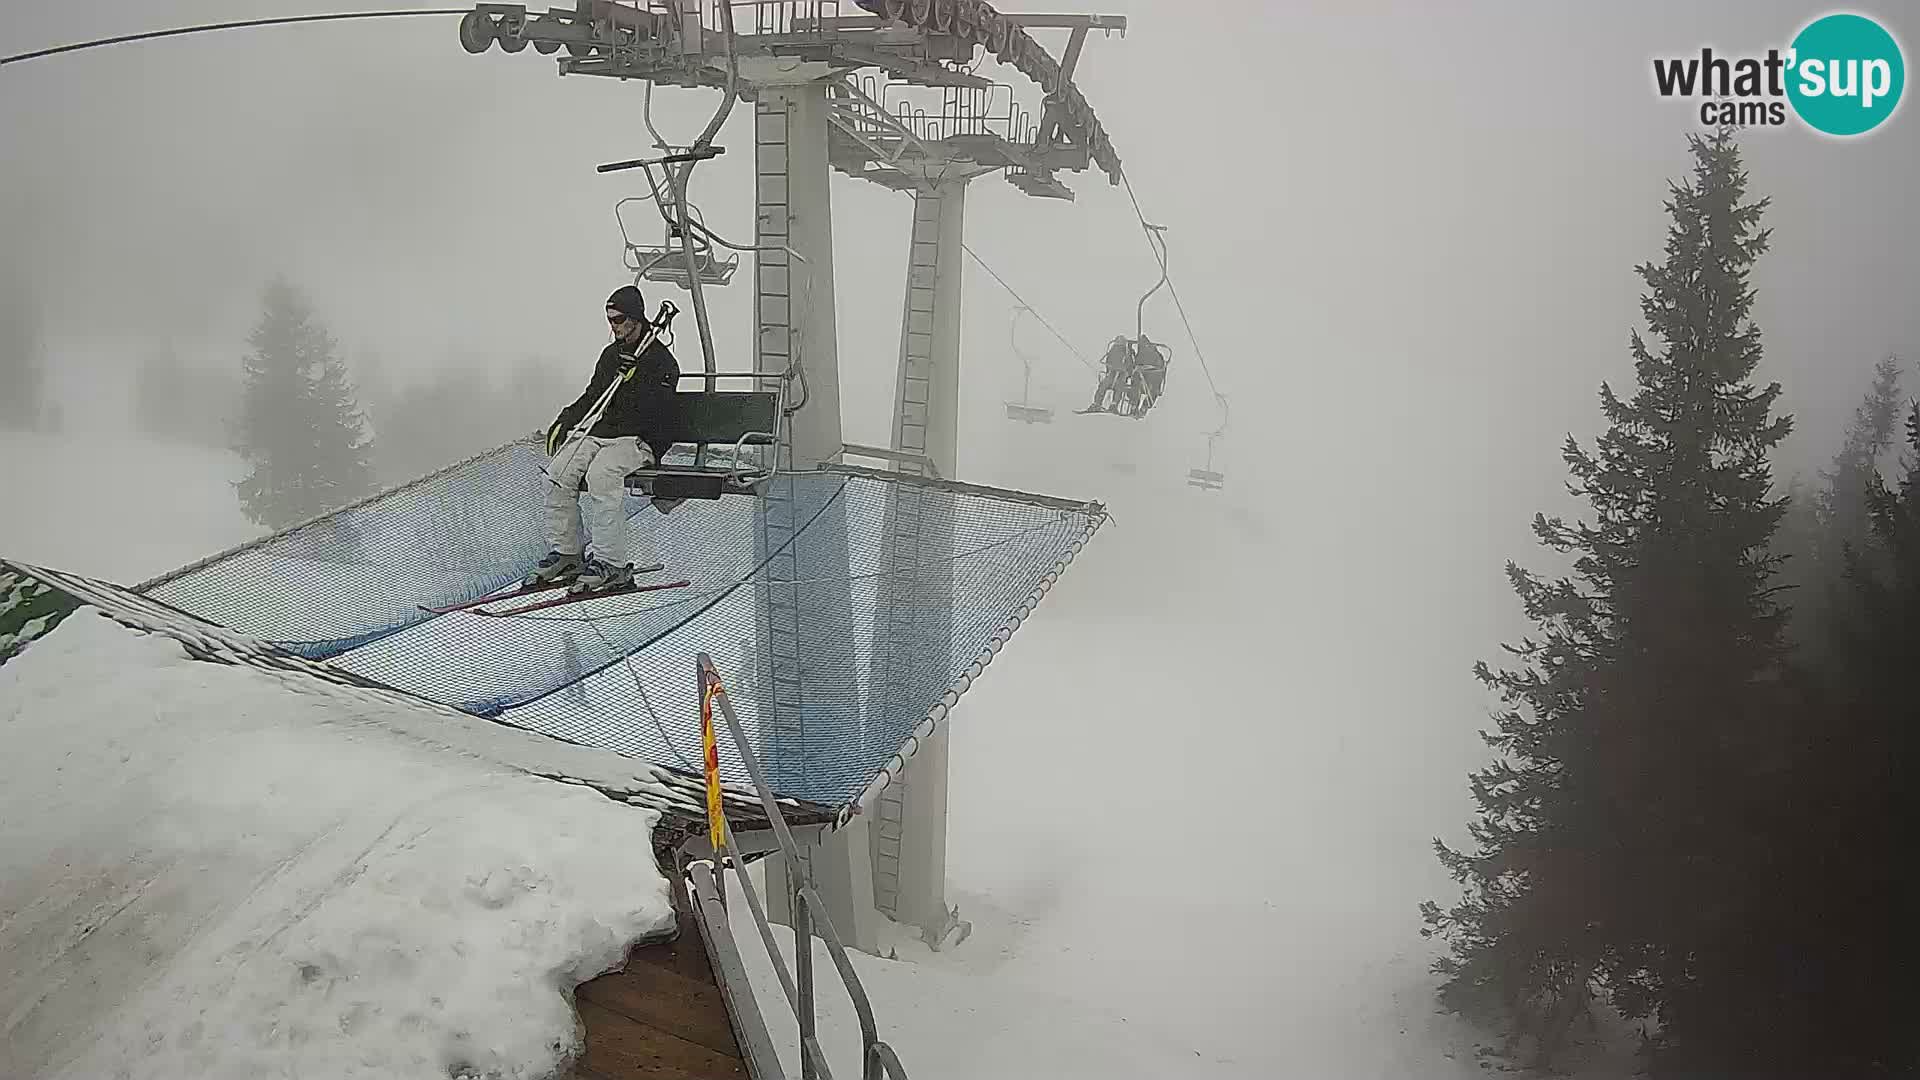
pixel 203 875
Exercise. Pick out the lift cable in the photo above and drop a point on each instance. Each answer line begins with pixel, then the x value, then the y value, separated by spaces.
pixel 239 25
pixel 418 12
pixel 1078 355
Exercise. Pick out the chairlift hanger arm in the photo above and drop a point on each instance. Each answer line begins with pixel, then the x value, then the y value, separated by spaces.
pixel 1013 336
pixel 696 153
pixel 1160 249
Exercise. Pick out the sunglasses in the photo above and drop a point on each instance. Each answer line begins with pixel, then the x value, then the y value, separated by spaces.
pixel 616 319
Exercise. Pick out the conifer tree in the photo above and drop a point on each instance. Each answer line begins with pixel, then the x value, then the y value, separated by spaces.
pixel 1843 501
pixel 23 404
pixel 1830 525
pixel 1854 886
pixel 1612 844
pixel 299 426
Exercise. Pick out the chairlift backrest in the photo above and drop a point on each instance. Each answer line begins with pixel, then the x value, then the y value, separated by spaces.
pixel 733 419
pixel 722 417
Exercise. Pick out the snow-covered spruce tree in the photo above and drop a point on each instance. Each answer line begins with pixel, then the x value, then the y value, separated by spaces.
pixel 1614 835
pixel 299 426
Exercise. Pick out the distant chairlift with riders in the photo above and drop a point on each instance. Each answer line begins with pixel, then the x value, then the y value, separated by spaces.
pixel 1133 372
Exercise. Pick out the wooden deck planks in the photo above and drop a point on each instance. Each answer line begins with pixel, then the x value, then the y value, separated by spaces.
pixel 661 1017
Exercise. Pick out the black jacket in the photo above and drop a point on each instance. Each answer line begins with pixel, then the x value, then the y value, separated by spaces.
pixel 636 408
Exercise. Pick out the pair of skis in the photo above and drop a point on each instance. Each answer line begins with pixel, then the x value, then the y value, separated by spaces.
pixel 479 607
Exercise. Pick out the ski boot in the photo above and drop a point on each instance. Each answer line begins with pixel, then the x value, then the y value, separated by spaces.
pixel 599 575
pixel 558 568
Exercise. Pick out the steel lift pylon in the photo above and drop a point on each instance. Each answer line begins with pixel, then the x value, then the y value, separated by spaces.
pixel 800 63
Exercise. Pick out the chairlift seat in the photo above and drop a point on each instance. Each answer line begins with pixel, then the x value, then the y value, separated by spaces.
pixel 1206 479
pixel 668 265
pixel 1029 414
pixel 733 419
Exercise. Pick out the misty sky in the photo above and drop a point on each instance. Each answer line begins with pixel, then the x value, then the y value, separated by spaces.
pixel 1405 233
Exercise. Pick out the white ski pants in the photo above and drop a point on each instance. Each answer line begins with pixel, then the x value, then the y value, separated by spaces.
pixel 604 463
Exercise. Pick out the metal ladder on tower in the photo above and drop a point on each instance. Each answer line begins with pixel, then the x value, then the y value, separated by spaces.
pixel 917 584
pixel 915 389
pixel 778 524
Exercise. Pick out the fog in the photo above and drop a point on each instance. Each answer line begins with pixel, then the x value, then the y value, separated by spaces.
pixel 1405 235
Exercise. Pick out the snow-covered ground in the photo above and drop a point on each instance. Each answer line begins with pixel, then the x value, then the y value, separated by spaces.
pixel 204 875
pixel 111 505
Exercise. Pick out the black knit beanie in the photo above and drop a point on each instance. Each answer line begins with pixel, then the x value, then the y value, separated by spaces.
pixel 627 301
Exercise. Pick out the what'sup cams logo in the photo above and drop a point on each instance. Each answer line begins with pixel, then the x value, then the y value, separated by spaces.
pixel 1842 75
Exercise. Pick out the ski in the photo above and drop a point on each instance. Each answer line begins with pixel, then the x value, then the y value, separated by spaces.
pixel 574 598
pixel 493 598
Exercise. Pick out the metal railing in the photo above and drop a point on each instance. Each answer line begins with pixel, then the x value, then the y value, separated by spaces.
pixel 877 1059
pixel 960 111
pixel 768 18
pixel 855 111
pixel 976 110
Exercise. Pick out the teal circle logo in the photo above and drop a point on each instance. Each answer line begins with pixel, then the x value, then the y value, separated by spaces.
pixel 1847 74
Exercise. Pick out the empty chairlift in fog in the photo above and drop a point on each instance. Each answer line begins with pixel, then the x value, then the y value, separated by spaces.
pixel 1207 477
pixel 1024 410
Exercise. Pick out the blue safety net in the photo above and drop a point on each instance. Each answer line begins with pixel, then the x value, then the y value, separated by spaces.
pixel 841 606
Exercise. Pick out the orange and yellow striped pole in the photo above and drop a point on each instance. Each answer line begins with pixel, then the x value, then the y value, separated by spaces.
pixel 716 817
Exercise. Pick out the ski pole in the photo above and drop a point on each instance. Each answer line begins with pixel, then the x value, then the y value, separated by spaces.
pixel 661 321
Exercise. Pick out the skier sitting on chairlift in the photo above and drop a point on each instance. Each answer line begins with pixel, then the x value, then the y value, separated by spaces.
pixel 1150 362
pixel 1115 376
pixel 603 454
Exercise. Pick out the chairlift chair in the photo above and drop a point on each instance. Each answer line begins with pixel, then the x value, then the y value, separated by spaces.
pixel 1029 414
pixel 1206 479
pixel 1024 410
pixel 1137 390
pixel 730 421
pixel 725 421
pixel 1132 391
pixel 667 263
pixel 1209 478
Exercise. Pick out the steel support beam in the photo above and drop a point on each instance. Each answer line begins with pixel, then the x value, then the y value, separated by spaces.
pixel 793 297
pixel 908 830
pixel 806 630
pixel 927 384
